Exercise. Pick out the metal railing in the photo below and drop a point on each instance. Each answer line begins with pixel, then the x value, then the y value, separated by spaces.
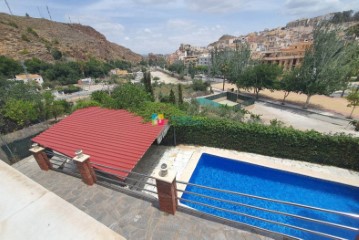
pixel 62 163
pixel 235 203
pixel 124 180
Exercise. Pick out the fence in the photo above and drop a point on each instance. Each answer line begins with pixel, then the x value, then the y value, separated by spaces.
pixel 231 96
pixel 230 205
pixel 171 193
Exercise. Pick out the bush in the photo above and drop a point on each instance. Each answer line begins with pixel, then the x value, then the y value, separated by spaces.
pixel 148 108
pixel 69 89
pixel 199 85
pixel 25 38
pixel 336 150
pixel 85 104
pixel 13 24
pixel 32 31
pixel 129 96
pixel 56 54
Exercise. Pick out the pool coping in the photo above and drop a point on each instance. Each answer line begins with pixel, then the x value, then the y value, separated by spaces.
pixel 324 172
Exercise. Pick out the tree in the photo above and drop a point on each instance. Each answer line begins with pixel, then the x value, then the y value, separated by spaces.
pixel 260 76
pixel 57 108
pixel 20 111
pixel 56 54
pixel 180 94
pixel 191 70
pixel 221 63
pixel 101 97
pixel 9 67
pixel 172 97
pixel 322 63
pixel 129 96
pixel 289 83
pixel 48 101
pixel 353 99
pixel 147 82
pixel 241 59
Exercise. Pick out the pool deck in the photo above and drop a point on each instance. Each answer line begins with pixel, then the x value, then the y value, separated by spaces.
pixel 135 216
pixel 184 158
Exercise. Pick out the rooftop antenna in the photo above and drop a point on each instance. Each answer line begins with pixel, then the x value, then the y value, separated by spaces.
pixel 7 4
pixel 48 11
pixel 39 12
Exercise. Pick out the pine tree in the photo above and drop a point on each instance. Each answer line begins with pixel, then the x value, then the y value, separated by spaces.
pixel 172 97
pixel 180 97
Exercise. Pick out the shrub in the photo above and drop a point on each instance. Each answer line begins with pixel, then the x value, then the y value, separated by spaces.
pixel 32 31
pixel 311 146
pixel 148 108
pixel 85 104
pixel 25 38
pixel 129 96
pixel 199 85
pixel 13 24
pixel 24 52
pixel 56 54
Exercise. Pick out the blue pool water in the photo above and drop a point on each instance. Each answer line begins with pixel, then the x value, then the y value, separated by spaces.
pixel 227 174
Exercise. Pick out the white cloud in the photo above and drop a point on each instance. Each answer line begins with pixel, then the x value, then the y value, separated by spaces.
pixel 310 8
pixel 179 24
pixel 153 1
pixel 215 6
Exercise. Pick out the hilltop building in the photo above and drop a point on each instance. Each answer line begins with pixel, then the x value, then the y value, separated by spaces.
pixel 118 72
pixel 30 78
pixel 289 57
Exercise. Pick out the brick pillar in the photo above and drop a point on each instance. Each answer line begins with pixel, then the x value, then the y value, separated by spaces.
pixel 167 191
pixel 85 168
pixel 41 157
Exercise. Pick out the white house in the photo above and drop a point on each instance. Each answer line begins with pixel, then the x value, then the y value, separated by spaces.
pixel 204 59
pixel 84 81
pixel 30 77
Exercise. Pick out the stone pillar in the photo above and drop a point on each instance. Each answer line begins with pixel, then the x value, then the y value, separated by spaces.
pixel 85 168
pixel 167 190
pixel 40 157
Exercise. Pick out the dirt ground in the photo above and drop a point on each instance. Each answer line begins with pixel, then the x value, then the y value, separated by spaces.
pixel 325 103
pixel 168 79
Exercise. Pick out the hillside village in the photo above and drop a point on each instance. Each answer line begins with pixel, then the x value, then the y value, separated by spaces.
pixel 282 45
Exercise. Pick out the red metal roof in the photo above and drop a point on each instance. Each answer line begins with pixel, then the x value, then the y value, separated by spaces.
pixel 115 138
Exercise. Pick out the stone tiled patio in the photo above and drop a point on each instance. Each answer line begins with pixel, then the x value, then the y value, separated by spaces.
pixel 133 216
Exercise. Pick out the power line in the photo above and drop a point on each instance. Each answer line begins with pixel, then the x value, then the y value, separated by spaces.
pixel 48 11
pixel 7 4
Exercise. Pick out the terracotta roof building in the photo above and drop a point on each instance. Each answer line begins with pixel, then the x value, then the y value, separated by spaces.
pixel 114 138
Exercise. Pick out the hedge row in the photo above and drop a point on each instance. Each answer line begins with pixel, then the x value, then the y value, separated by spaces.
pixel 311 146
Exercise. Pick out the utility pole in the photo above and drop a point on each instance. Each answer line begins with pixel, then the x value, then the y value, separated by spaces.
pixel 48 11
pixel 8 7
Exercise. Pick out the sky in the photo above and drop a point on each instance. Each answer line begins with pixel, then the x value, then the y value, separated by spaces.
pixel 160 26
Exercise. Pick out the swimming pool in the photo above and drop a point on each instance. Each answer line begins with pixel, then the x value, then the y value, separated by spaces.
pixel 227 174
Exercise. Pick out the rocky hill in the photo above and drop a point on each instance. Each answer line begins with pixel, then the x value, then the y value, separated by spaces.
pixel 25 37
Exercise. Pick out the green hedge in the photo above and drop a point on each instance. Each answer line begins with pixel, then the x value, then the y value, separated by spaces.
pixel 311 146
